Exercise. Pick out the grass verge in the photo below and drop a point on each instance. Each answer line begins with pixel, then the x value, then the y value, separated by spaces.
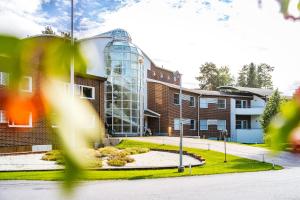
pixel 214 165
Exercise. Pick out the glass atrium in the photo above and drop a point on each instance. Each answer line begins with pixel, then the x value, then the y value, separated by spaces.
pixel 124 86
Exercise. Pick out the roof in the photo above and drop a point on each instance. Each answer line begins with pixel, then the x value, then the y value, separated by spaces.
pixel 151 113
pixel 195 91
pixel 257 91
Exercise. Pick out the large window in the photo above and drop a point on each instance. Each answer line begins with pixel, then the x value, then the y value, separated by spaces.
pixel 241 104
pixel 222 103
pixel 3 118
pixel 192 101
pixel 221 125
pixel 124 93
pixel 242 124
pixel 203 125
pixel 27 123
pixel 4 78
pixel 26 84
pixel 176 99
pixel 203 103
pixel 176 124
pixel 192 124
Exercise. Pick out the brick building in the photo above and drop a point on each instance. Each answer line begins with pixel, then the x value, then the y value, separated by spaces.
pixel 130 93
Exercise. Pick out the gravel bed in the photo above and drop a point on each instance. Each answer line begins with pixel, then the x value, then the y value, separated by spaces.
pixel 151 159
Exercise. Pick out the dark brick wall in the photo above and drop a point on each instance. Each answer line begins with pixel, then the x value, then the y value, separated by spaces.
pixel 19 139
pixel 161 100
pixel 161 74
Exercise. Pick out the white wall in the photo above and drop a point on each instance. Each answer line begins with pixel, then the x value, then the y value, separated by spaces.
pixel 255 124
pixel 232 120
pixel 93 50
pixel 257 102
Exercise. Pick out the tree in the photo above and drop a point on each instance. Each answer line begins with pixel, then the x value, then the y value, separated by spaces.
pixel 211 77
pixel 271 110
pixel 224 76
pixel 256 76
pixel 264 77
pixel 252 76
pixel 242 78
pixel 48 30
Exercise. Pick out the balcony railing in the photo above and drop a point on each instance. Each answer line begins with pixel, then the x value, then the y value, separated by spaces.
pixel 249 111
pixel 249 135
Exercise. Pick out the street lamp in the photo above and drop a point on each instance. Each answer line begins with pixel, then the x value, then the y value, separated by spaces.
pixel 224 134
pixel 180 167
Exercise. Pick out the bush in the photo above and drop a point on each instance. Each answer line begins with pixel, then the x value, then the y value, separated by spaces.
pixel 95 163
pixel 107 151
pixel 129 159
pixel 136 150
pixel 116 161
pixel 53 155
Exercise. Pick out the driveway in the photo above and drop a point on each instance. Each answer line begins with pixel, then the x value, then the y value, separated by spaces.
pixel 268 185
pixel 285 159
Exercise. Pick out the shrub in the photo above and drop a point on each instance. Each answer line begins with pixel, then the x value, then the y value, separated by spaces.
pixel 116 161
pixel 129 159
pixel 136 150
pixel 107 151
pixel 95 163
pixel 53 155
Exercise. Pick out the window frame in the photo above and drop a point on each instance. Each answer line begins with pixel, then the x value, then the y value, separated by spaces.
pixel 194 102
pixel 194 124
pixel 223 120
pixel 177 104
pixel 29 125
pixel 4 78
pixel 82 94
pixel 218 104
pixel 242 101
pixel 200 127
pixel 205 103
pixel 3 117
pixel 242 124
pixel 176 125
pixel 29 78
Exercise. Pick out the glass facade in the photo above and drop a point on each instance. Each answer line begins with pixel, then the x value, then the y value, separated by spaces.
pixel 124 86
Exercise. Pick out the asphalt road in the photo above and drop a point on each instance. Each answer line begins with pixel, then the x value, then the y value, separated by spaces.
pixel 283 184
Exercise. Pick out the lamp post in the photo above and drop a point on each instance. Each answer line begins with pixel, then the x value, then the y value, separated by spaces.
pixel 224 133
pixel 141 78
pixel 180 167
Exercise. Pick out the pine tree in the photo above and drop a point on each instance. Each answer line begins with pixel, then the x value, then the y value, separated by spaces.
pixel 242 78
pixel 252 76
pixel 271 110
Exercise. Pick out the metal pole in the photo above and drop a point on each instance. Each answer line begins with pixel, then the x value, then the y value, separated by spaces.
pixel 180 167
pixel 225 150
pixel 72 73
pixel 141 98
pixel 198 118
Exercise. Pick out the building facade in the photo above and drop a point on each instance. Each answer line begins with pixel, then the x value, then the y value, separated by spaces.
pixel 131 94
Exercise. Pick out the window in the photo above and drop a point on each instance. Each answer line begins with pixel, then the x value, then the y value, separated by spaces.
pixel 161 76
pixel 221 125
pixel 86 92
pixel 25 124
pixel 203 125
pixel 241 104
pixel 154 73
pixel 4 78
pixel 3 118
pixel 168 77
pixel 222 103
pixel 192 124
pixel 192 101
pixel 176 124
pixel 176 99
pixel 175 79
pixel 242 124
pixel 203 103
pixel 26 84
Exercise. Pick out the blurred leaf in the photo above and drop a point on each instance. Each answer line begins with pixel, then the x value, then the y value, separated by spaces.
pixel 298 5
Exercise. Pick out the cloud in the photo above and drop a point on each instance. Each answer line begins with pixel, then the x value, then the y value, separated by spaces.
pixel 181 34
pixel 185 35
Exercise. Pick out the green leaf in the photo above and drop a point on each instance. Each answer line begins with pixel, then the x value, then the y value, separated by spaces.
pixel 298 5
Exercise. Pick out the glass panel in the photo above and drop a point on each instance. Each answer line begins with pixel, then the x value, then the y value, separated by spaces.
pixel 126 129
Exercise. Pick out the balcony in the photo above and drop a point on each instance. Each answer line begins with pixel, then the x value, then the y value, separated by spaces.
pixel 249 111
pixel 250 136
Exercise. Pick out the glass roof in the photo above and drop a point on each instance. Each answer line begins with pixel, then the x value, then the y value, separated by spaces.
pixel 118 34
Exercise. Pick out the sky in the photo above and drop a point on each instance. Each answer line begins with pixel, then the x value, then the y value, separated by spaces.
pixel 177 34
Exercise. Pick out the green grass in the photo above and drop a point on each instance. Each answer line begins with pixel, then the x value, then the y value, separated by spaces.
pixel 214 165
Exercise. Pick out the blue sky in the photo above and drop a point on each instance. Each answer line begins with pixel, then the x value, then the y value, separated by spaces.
pixel 178 34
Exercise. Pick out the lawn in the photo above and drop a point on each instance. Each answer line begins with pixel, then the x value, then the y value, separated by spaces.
pixel 214 165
